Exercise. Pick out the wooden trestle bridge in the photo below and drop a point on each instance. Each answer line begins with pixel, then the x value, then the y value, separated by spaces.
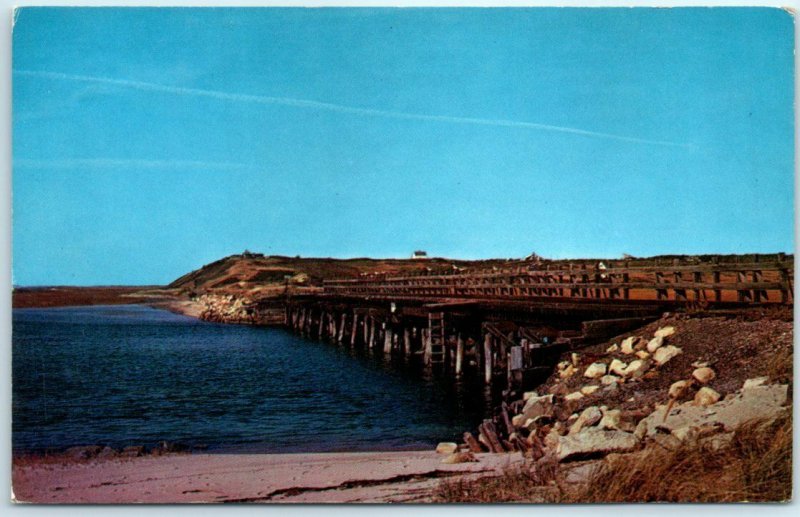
pixel 509 324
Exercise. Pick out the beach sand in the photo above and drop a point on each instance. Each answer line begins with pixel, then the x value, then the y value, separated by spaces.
pixel 364 477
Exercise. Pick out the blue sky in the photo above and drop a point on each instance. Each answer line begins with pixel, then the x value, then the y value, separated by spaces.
pixel 148 142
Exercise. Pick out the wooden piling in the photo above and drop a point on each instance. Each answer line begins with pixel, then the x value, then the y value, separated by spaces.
pixel 406 341
pixel 354 330
pixel 387 340
pixel 489 433
pixel 342 325
pixel 371 325
pixel 472 443
pixel 487 358
pixel 427 346
pixel 459 354
pixel 515 363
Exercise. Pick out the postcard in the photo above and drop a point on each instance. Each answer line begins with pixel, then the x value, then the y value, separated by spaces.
pixel 417 255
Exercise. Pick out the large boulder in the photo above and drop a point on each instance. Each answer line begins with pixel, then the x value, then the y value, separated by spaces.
pixel 446 448
pixel 627 345
pixel 756 403
pixel 704 375
pixel 589 390
pixel 753 383
pixel 665 354
pixel 605 380
pixel 611 419
pixel 664 332
pixel 679 389
pixel 636 369
pixel 617 367
pixel 654 344
pixel 593 442
pixel 537 407
pixel 588 417
pixel 576 395
pixel 595 371
pixel 567 372
pixel 529 395
pixel 706 396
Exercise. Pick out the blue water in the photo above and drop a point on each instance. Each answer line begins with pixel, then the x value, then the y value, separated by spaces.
pixel 130 375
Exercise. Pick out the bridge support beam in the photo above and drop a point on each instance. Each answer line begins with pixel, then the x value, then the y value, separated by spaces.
pixel 487 358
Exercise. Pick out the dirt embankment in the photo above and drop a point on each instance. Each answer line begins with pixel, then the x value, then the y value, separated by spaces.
pixel 676 392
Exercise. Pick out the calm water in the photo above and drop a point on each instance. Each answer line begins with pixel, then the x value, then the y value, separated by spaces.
pixel 124 375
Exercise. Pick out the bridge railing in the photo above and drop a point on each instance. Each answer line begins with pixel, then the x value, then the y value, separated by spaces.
pixel 743 282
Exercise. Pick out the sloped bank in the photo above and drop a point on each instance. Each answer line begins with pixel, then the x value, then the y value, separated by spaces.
pixel 682 384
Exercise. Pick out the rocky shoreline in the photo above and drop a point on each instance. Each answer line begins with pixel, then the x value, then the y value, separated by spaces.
pixel 680 383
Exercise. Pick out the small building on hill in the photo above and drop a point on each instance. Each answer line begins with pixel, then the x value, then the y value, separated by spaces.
pixel 419 255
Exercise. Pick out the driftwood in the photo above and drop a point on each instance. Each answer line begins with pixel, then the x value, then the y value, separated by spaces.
pixel 472 443
pixel 537 448
pixel 520 442
pixel 506 419
pixel 488 430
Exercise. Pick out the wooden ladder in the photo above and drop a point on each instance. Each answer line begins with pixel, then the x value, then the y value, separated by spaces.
pixel 437 336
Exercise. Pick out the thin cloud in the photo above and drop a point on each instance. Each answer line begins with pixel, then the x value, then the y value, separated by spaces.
pixel 338 108
pixel 112 163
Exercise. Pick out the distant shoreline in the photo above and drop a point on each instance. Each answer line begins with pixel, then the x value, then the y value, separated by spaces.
pixel 73 296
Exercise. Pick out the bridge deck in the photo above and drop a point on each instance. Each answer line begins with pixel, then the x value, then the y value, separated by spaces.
pixel 573 284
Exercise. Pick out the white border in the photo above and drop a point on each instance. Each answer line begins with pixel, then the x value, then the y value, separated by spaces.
pixel 437 510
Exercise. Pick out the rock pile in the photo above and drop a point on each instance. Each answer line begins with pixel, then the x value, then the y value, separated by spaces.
pixel 578 417
pixel 227 308
pixel 88 452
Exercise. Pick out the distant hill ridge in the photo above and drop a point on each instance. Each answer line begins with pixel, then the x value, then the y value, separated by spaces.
pixel 252 270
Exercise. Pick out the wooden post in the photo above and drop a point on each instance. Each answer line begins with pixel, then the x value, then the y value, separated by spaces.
pixel 371 339
pixel 407 341
pixel 427 346
pixel 342 324
pixel 321 321
pixel 488 431
pixel 354 330
pixel 487 358
pixel 506 419
pixel 459 354
pixel 472 443
pixel 387 340
pixel 515 364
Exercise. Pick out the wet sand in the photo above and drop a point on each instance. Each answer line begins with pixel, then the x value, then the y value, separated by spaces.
pixel 365 477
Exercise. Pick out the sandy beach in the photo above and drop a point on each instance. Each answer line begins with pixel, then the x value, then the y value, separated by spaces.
pixel 370 477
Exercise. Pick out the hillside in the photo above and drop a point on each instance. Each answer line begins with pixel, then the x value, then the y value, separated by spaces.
pixel 247 272
pixel 252 271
